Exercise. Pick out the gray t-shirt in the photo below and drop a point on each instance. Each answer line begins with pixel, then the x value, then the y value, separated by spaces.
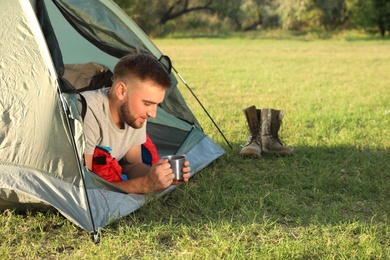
pixel 100 129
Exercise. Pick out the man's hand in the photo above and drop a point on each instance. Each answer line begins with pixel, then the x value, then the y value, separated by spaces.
pixel 160 175
pixel 186 171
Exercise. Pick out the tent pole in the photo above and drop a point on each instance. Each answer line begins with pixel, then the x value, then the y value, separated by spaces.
pixel 95 235
pixel 212 120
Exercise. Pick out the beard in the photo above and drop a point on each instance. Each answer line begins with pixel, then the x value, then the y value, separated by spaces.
pixel 128 118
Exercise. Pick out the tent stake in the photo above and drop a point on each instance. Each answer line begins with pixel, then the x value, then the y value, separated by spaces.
pixel 200 103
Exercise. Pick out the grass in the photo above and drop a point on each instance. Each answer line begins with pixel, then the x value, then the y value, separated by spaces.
pixel 328 201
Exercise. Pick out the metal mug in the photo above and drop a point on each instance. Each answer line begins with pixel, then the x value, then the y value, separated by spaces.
pixel 177 164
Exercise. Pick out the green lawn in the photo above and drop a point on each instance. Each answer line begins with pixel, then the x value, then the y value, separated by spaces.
pixel 328 201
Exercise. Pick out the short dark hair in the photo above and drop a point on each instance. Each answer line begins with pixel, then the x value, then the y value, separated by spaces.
pixel 143 66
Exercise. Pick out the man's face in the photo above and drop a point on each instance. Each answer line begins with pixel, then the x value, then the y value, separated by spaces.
pixel 141 102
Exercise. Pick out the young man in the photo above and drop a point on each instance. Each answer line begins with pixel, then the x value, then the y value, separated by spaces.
pixel 116 118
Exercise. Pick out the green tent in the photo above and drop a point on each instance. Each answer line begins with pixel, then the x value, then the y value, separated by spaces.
pixel 41 130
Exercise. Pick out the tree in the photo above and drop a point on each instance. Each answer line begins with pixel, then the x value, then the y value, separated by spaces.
pixel 334 13
pixel 382 12
pixel 371 15
pixel 244 15
pixel 177 8
pixel 247 15
pixel 292 13
pixel 149 14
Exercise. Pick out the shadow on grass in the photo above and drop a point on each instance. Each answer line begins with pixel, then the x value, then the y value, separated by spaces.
pixel 327 185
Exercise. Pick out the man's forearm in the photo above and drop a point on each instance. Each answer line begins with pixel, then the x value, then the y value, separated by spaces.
pixel 135 170
pixel 139 185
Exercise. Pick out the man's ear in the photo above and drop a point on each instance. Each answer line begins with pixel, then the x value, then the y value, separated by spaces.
pixel 120 90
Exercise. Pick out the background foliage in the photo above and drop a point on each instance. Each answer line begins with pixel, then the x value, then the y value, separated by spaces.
pixel 159 18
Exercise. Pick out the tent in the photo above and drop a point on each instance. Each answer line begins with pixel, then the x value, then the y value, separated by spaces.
pixel 41 130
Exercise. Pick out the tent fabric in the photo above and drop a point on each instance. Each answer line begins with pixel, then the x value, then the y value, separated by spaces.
pixel 41 130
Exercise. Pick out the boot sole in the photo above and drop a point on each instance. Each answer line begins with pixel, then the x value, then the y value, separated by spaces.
pixel 277 153
pixel 250 155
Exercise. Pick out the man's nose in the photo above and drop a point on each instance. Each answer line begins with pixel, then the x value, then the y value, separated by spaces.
pixel 152 112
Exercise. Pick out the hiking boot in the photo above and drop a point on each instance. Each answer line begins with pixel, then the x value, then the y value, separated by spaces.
pixel 271 120
pixel 252 147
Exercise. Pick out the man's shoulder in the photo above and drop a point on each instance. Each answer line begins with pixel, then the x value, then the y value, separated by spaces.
pixel 95 94
pixel 94 97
